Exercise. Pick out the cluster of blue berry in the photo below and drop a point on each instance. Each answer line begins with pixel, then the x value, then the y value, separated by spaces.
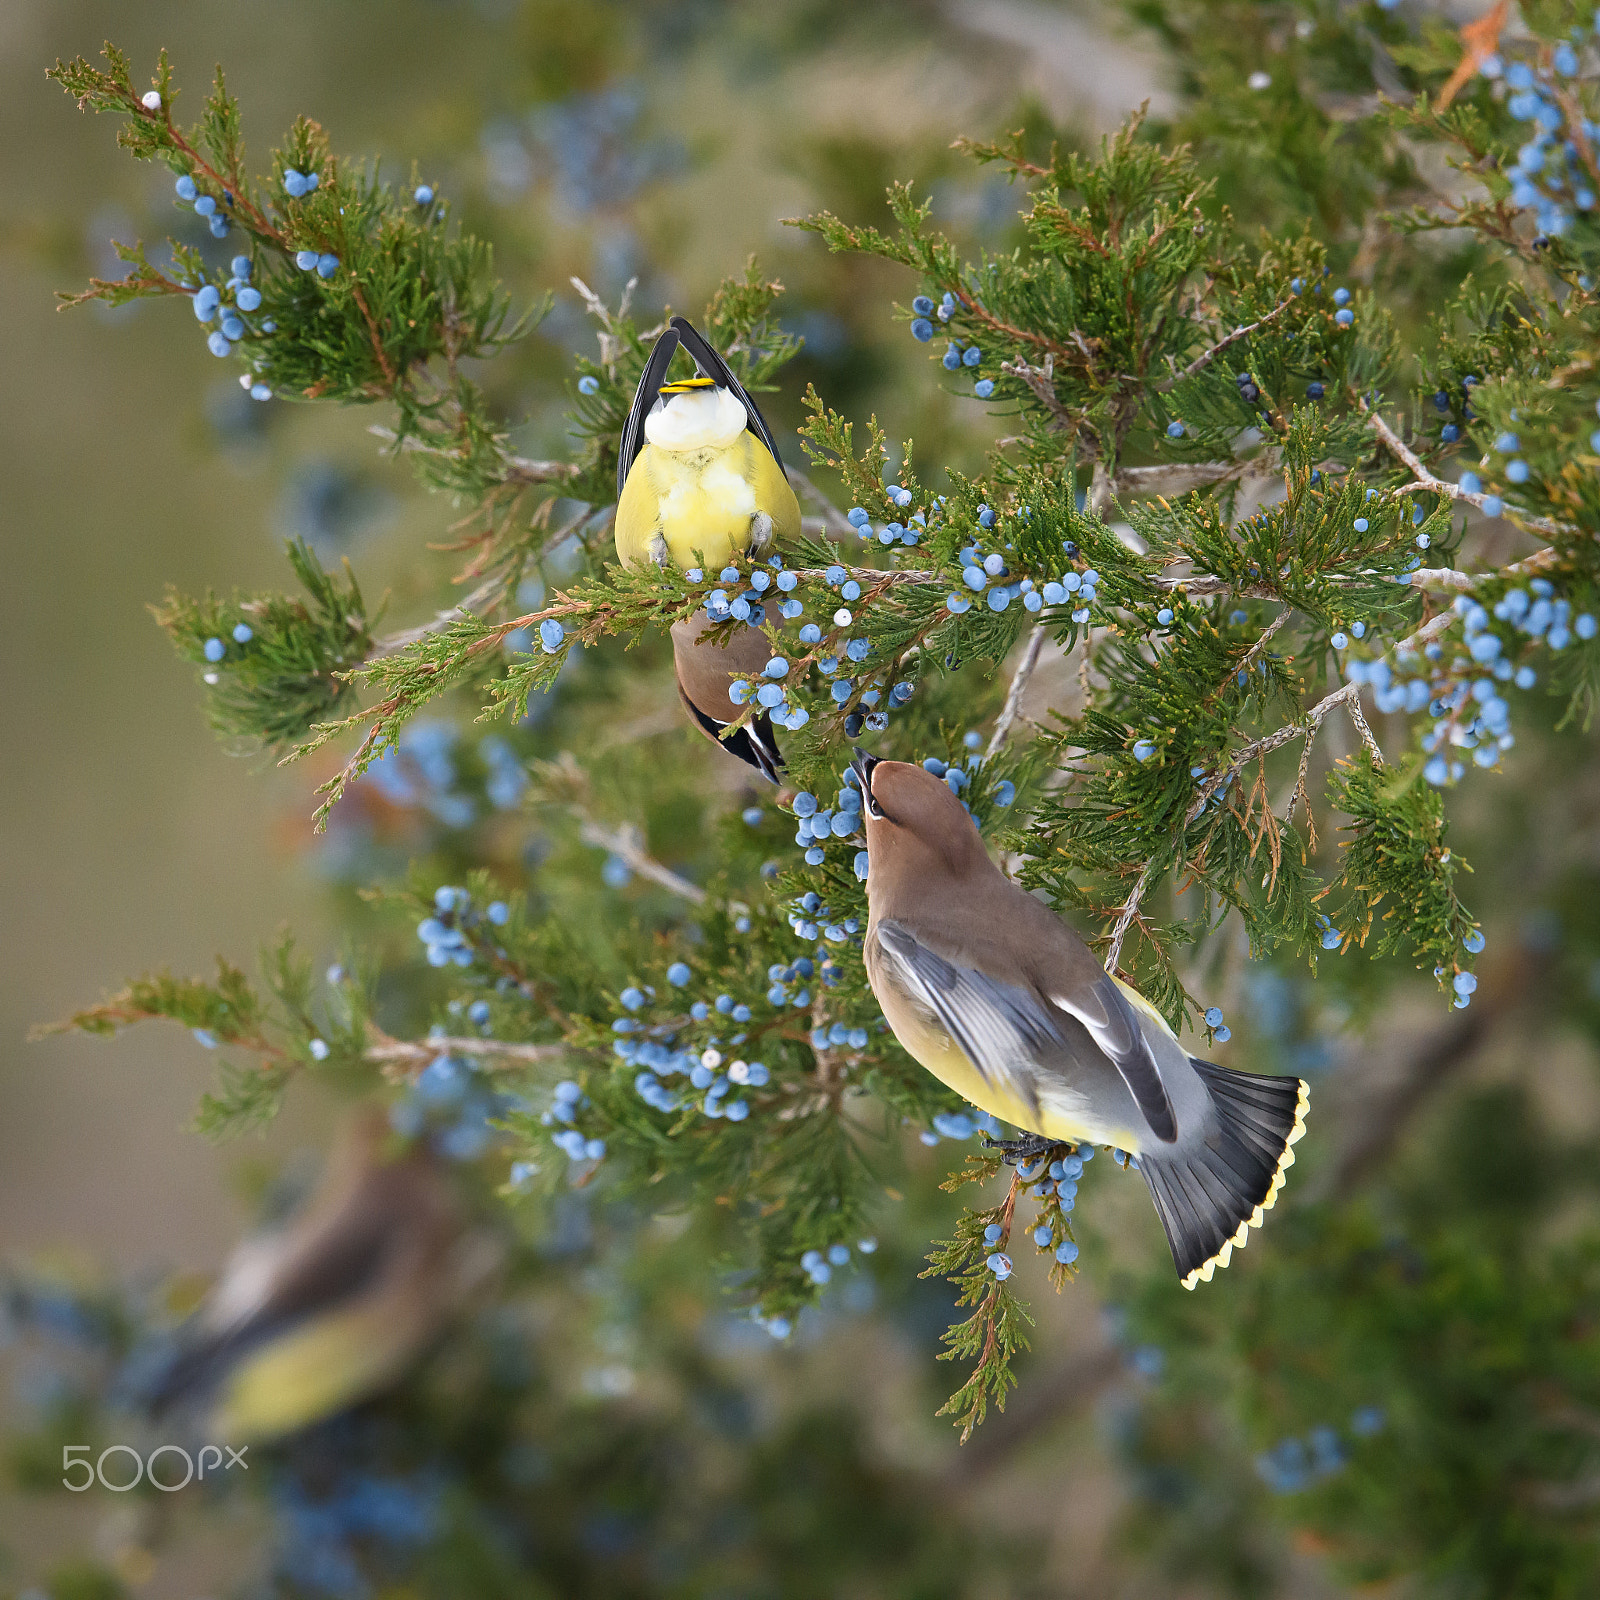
pixel 422 770
pixel 818 1265
pixel 923 312
pixel 1514 469
pixel 750 604
pixel 229 314
pixel 988 573
pixel 908 533
pixel 450 935
pixel 1295 1464
pixel 205 205
pixel 322 262
pixel 320 1535
pixel 958 1125
pixel 567 1101
pixel 1057 1184
pixel 297 185
pixel 454 1105
pixel 1462 694
pixel 818 824
pixel 1549 176
pixel 214 649
pixel 663 1057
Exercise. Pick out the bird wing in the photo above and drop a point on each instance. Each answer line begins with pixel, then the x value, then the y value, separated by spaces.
pixel 644 397
pixel 1115 1028
pixel 999 1026
pixel 713 366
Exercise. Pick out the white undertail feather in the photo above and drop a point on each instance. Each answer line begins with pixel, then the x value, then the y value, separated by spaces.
pixel 1203 1273
pixel 699 419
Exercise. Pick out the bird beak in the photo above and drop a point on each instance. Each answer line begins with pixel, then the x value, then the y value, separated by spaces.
pixel 862 767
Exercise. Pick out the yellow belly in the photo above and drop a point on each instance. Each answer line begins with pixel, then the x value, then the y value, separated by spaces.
pixel 702 503
pixel 934 1049
pixel 309 1374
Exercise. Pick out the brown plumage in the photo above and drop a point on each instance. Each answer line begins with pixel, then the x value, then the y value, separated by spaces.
pixel 705 670
pixel 1000 999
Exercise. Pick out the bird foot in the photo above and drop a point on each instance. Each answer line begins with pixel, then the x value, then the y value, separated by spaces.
pixel 1015 1151
pixel 760 533
pixel 658 550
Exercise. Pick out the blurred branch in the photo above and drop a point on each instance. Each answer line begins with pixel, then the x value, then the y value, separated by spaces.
pixel 1378 1107
pixel 518 469
pixel 405 1058
pixel 627 844
pixel 829 518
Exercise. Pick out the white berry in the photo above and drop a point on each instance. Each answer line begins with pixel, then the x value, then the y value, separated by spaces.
pixel 151 100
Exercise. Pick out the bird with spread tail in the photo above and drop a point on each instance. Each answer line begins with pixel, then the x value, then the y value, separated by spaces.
pixel 700 483
pixel 331 1308
pixel 1001 1000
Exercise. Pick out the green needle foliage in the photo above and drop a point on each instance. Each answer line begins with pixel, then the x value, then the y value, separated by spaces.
pixel 1233 496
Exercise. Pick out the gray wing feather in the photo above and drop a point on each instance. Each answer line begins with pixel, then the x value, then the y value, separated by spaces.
pixel 1114 1026
pixel 998 1026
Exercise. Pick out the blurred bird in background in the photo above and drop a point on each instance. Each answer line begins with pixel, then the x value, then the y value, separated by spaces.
pixel 1001 1000
pixel 700 483
pixel 328 1310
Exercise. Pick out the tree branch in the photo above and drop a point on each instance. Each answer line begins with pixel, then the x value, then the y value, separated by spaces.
pixel 1453 491
pixel 403 1059
pixel 1019 682
pixel 1126 915
pixel 1206 357
pixel 626 843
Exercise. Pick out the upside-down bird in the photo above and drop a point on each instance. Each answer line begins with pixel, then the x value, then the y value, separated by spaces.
pixel 1001 1000
pixel 699 483
pixel 328 1310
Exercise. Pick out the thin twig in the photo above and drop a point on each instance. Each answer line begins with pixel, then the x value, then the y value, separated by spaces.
pixel 1040 382
pixel 1126 915
pixel 518 469
pixel 1454 491
pixel 1251 655
pixel 1019 682
pixel 1206 357
pixel 1179 477
pixel 1305 727
pixel 626 843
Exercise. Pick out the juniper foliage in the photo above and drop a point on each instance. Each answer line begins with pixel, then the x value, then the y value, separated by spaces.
pixel 1231 492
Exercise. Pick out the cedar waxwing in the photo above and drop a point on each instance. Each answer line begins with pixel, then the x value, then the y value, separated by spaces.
pixel 327 1311
pixel 699 477
pixel 1001 1000
pixel 700 481
pixel 705 673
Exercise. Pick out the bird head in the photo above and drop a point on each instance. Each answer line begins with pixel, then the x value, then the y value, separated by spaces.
pixel 695 414
pixel 914 822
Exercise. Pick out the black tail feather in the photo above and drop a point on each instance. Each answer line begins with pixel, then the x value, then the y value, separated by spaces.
pixel 1210 1192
